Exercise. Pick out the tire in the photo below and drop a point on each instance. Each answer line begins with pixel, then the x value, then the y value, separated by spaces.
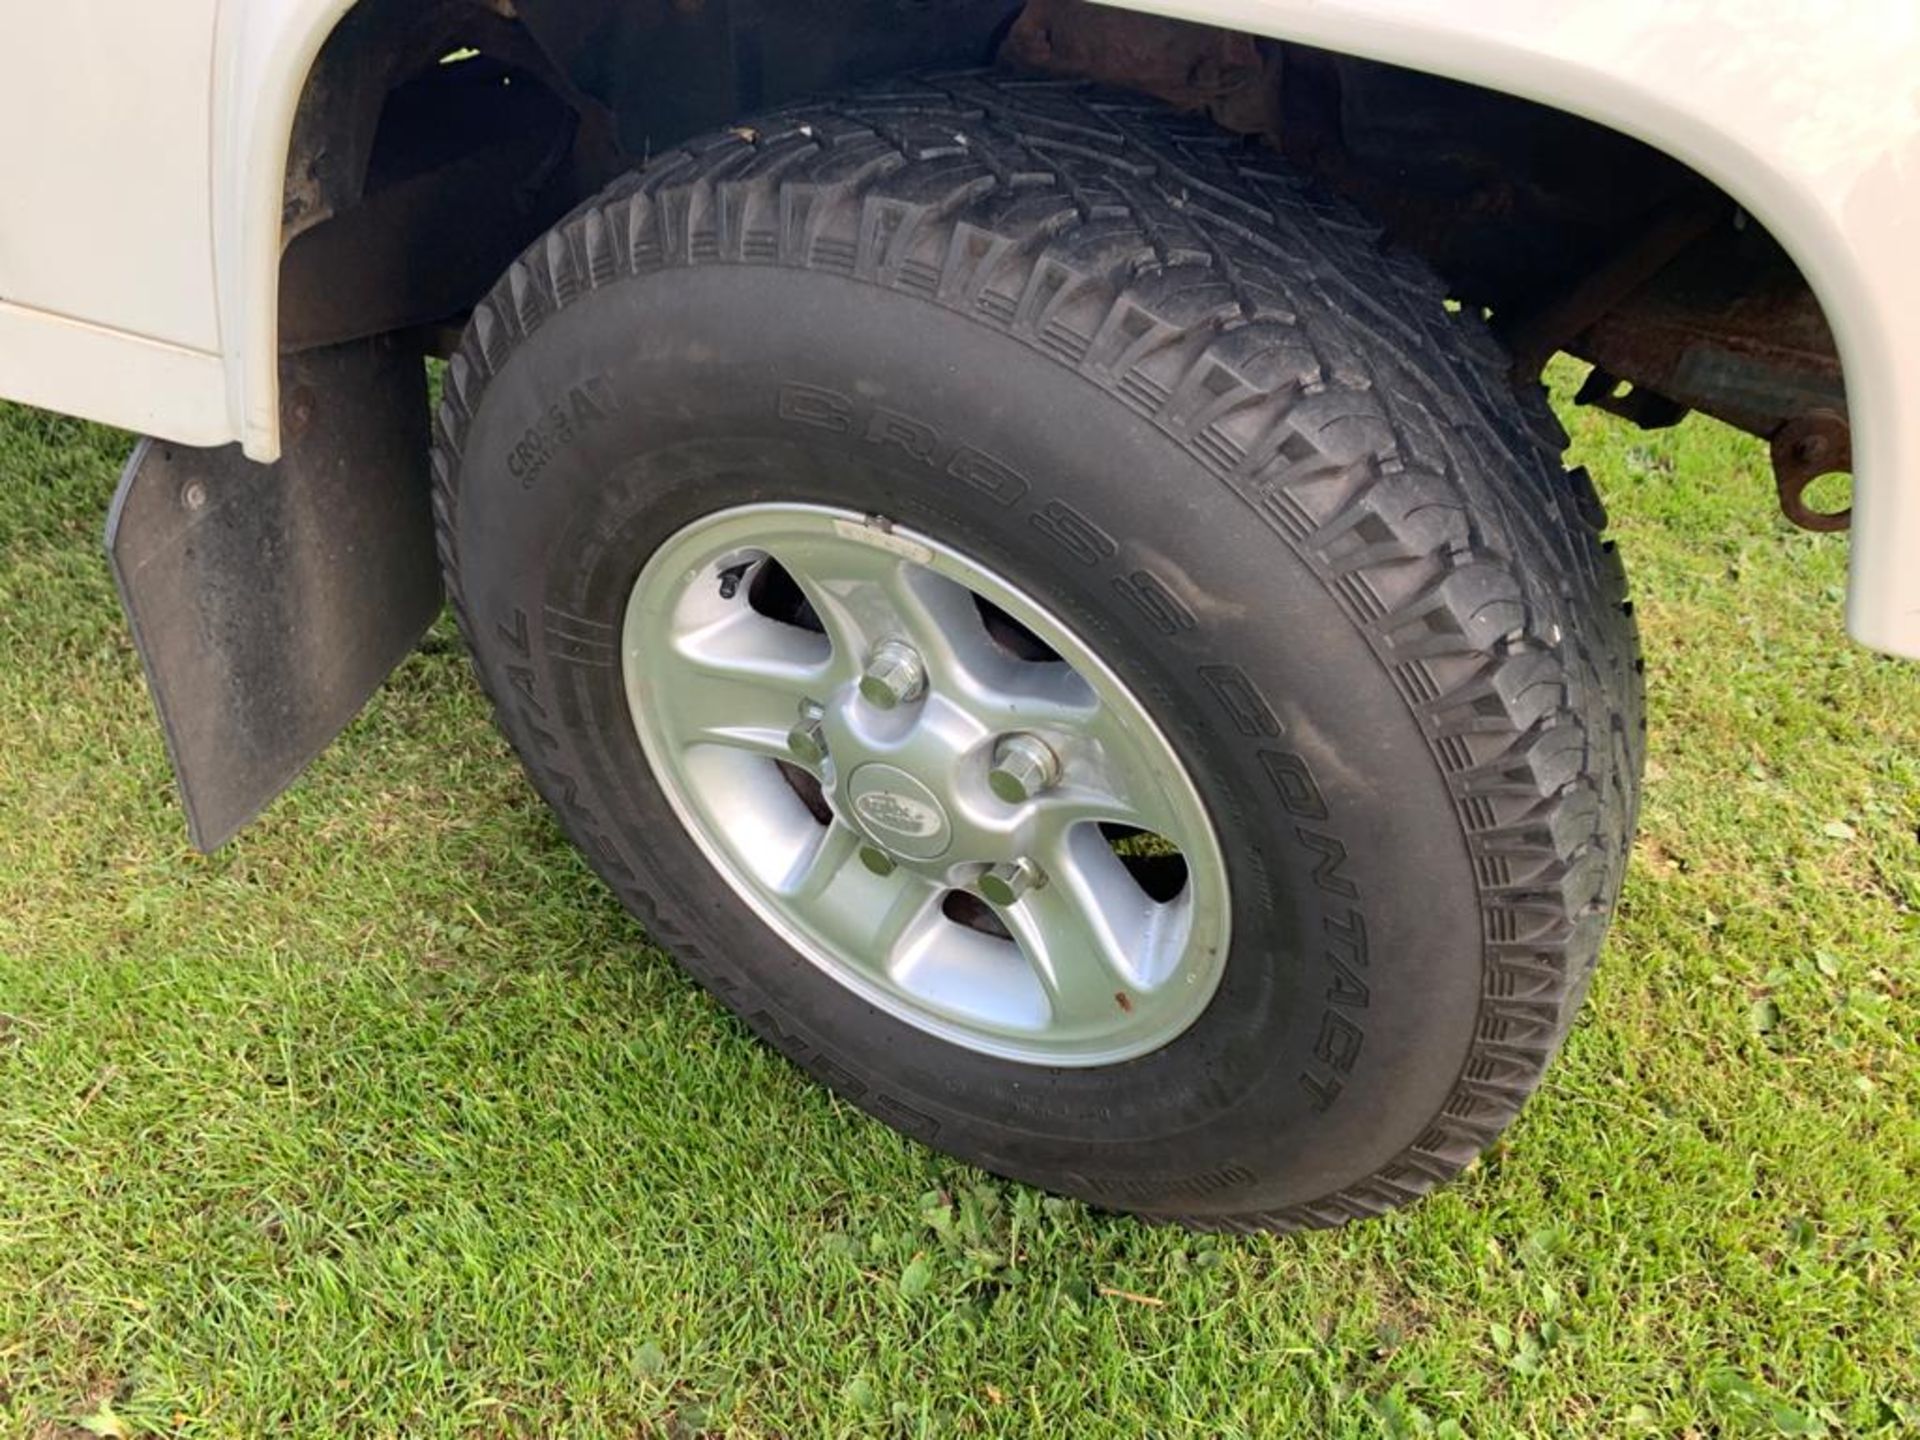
pixel 1247 453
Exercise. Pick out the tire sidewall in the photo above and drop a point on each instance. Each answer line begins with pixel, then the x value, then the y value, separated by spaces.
pixel 1350 993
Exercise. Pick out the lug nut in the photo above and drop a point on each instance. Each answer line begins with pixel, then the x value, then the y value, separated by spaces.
pixel 1023 766
pixel 1005 884
pixel 807 741
pixel 895 675
pixel 877 860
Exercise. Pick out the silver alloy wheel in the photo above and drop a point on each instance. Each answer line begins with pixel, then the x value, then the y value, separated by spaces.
pixel 838 710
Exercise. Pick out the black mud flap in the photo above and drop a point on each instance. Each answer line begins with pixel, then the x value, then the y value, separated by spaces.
pixel 268 602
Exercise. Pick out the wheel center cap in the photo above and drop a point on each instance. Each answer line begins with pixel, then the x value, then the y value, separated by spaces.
pixel 898 812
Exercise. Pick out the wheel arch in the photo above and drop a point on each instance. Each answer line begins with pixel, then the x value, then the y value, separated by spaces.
pixel 1784 106
pixel 1813 161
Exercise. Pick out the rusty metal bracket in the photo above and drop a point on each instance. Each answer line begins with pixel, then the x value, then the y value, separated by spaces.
pixel 1648 409
pixel 1534 338
pixel 1805 448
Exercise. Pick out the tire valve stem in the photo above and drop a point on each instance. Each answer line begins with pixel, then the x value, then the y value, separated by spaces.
pixel 731 577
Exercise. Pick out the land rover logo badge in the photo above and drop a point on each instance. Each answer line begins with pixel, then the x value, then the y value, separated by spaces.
pixel 898 812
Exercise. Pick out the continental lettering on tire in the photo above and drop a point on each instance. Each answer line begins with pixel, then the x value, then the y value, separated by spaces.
pixel 1347 956
pixel 1336 1048
pixel 584 408
pixel 520 678
pixel 1074 533
pixel 559 784
pixel 1343 949
pixel 1326 870
pixel 913 438
pixel 1294 781
pixel 1242 700
pixel 1158 605
pixel 819 408
pixel 516 635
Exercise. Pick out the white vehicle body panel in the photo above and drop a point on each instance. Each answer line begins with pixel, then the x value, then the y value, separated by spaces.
pixel 139 254
pixel 106 111
pixel 106 243
pixel 1806 112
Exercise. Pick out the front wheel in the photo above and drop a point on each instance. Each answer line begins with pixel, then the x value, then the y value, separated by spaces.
pixel 1062 634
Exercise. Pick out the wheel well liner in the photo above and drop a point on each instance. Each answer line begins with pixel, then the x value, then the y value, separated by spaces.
pixel 1568 234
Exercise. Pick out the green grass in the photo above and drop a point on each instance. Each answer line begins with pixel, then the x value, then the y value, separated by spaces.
pixel 387 1121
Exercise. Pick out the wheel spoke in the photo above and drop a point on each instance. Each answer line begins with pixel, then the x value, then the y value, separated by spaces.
pixel 1122 770
pixel 1060 815
pixel 740 682
pixel 756 739
pixel 941 620
pixel 874 916
pixel 815 872
pixel 1011 693
pixel 850 588
pixel 865 595
pixel 912 909
pixel 1081 962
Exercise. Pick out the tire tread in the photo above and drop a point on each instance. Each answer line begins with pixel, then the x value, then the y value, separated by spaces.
pixel 1314 371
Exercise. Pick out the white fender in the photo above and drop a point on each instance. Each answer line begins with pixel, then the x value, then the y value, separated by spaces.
pixel 1806 112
